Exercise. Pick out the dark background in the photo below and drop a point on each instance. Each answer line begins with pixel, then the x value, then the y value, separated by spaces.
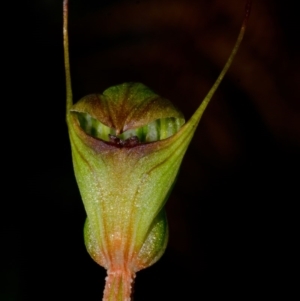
pixel 232 214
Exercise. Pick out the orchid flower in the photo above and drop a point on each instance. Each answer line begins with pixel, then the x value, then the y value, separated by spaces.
pixel 127 146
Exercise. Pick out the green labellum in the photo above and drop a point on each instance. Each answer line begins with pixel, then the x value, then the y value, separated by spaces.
pixel 94 128
pixel 156 130
pixel 128 114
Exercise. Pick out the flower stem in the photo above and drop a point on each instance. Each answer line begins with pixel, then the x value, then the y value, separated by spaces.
pixel 118 285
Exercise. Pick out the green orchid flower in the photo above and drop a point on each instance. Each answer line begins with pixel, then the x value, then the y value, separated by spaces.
pixel 127 146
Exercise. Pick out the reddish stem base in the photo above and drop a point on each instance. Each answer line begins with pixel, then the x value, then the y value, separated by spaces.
pixel 118 285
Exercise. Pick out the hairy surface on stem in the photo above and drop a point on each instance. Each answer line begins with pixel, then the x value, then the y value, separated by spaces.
pixel 118 285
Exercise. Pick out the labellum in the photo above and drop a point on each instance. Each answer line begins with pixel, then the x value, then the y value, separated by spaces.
pixel 127 146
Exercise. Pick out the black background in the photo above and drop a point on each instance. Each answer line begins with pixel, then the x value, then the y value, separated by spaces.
pixel 232 214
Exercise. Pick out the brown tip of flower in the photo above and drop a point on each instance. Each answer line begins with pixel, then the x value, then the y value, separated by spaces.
pixel 118 142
